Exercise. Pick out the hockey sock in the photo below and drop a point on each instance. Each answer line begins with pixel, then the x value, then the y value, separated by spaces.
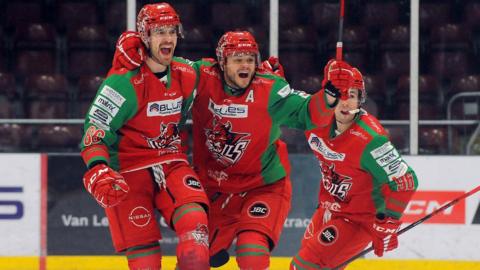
pixel 305 260
pixel 190 223
pixel 253 251
pixel 145 257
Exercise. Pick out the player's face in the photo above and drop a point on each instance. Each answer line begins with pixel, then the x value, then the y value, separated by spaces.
pixel 342 111
pixel 239 70
pixel 163 41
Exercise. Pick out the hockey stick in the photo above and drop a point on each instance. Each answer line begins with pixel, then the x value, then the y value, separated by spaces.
pixel 340 32
pixel 418 222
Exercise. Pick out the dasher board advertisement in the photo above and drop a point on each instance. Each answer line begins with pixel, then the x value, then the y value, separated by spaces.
pixel 453 233
pixel 20 204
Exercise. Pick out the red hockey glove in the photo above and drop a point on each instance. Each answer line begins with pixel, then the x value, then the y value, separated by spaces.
pixel 130 51
pixel 107 186
pixel 273 65
pixel 384 234
pixel 340 74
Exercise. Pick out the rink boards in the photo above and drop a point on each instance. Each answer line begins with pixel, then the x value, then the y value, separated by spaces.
pixel 45 210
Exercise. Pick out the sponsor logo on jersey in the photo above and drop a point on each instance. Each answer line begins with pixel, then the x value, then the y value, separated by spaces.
pixel 164 107
pixel 182 68
pixel 225 146
pixel 258 210
pixel 98 124
pixel 220 176
pixel 423 203
pixel 285 91
pixel 310 231
pixel 396 168
pixel 140 216
pixel 388 158
pixel 318 145
pixel 100 115
pixel 168 140
pixel 192 183
pixel 336 184
pixel 113 95
pixel 300 93
pixel 328 235
pixel 228 110
pixel 106 105
pixel 382 150
pixel 358 134
pixel 210 72
pixel 331 206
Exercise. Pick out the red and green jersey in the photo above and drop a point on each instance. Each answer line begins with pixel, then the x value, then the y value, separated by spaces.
pixel 236 138
pixel 358 168
pixel 133 121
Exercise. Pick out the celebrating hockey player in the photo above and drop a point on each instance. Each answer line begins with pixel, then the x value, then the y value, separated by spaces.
pixel 236 128
pixel 132 148
pixel 364 189
pixel 244 166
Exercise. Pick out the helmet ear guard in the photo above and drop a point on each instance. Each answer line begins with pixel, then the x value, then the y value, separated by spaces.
pixel 157 15
pixel 358 83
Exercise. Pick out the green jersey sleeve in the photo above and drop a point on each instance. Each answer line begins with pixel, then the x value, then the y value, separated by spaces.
pixel 114 103
pixel 287 106
pixel 382 160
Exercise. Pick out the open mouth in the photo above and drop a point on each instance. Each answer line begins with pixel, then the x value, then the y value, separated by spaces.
pixel 165 51
pixel 243 75
pixel 345 112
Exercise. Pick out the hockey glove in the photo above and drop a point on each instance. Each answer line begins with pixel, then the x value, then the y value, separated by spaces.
pixel 384 234
pixel 340 74
pixel 273 65
pixel 107 186
pixel 130 51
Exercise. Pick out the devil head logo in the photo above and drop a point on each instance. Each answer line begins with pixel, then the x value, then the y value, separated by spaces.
pixel 169 138
pixel 225 146
pixel 336 184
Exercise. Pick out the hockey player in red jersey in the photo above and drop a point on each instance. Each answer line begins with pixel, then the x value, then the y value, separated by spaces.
pixel 364 189
pixel 132 148
pixel 237 116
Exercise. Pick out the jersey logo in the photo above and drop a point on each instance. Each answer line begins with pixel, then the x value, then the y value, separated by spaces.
pixel 336 184
pixel 259 210
pixel 228 110
pixel 328 235
pixel 164 107
pixel 225 146
pixel 318 145
pixel 169 138
pixel 220 176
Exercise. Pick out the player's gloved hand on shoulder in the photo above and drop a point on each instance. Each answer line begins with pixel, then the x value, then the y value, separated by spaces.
pixel 272 64
pixel 107 186
pixel 129 51
pixel 339 73
pixel 384 233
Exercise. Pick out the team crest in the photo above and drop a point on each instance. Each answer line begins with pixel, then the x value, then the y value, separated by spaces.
pixel 169 138
pixel 336 184
pixel 226 146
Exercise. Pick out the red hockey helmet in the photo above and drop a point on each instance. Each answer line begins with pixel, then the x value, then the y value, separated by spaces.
pixel 156 15
pixel 236 42
pixel 359 84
